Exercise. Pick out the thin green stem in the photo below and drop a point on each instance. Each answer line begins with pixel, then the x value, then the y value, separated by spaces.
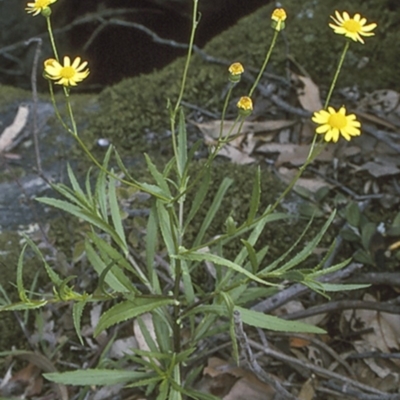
pixel 175 110
pixel 267 57
pixel 339 67
pixel 227 97
pixel 210 159
pixel 179 231
pixel 58 115
pixel 52 41
pixel 188 58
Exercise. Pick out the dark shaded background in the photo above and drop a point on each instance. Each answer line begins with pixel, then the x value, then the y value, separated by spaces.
pixel 116 52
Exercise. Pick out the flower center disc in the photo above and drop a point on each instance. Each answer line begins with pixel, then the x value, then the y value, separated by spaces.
pixel 352 26
pixel 337 121
pixel 67 72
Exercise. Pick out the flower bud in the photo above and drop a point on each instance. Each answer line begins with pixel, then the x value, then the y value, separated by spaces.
pixel 245 106
pixel 235 72
pixel 46 12
pixel 278 18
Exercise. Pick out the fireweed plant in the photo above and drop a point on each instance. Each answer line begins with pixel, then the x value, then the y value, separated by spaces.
pixel 134 288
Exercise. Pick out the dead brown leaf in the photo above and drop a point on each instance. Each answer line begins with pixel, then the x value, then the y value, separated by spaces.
pixel 235 155
pixel 295 154
pixel 233 383
pixel 311 185
pixel 212 128
pixel 386 328
pixel 307 391
pixel 380 101
pixel 376 120
pixel 147 320
pixel 378 170
pixel 307 93
pixel 12 131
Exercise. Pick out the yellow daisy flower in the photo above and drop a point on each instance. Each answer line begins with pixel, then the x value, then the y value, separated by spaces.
pixel 352 28
pixel 333 124
pixel 278 19
pixel 38 6
pixel 67 74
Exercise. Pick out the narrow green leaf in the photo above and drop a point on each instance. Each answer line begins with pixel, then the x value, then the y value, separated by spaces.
pixel 182 143
pixel 218 309
pixel 175 393
pixel 128 310
pixel 145 382
pixel 165 227
pixel 270 322
pixel 101 187
pixel 256 231
pixel 201 194
pixel 307 250
pixel 163 331
pixel 77 312
pixel 255 197
pixel 341 287
pixel 73 197
pixel 280 259
pixel 256 293
pixel 94 377
pixel 116 214
pixel 154 191
pixel 33 304
pixel 241 230
pixel 86 215
pixel 321 272
pixel 53 276
pixel 88 187
pixel 109 254
pixel 198 256
pixel 230 306
pixel 74 182
pixel 252 256
pixel 213 210
pixel 187 283
pixel 158 176
pixel 163 390
pixel 151 246
pixel 20 283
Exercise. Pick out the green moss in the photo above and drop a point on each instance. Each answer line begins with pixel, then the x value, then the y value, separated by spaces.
pixel 10 95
